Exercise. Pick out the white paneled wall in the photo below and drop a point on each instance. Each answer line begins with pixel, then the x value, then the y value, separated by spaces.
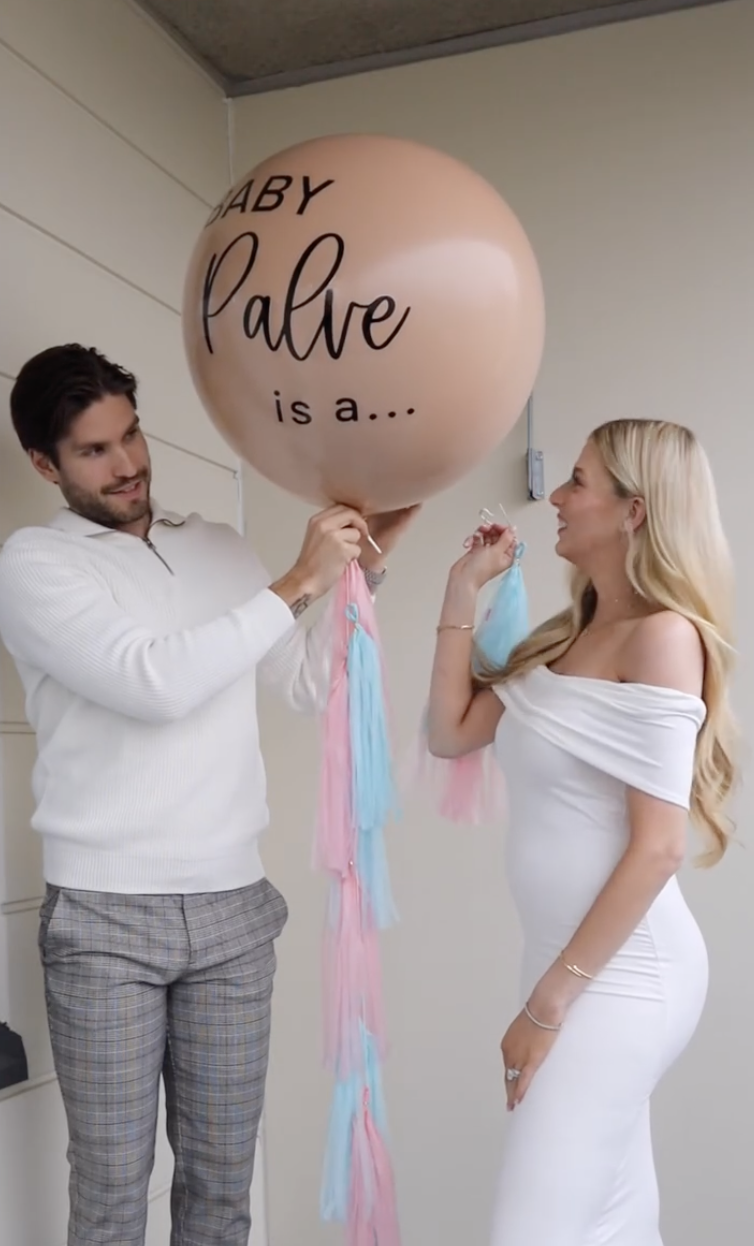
pixel 108 58
pixel 53 293
pixel 113 148
pixel 628 153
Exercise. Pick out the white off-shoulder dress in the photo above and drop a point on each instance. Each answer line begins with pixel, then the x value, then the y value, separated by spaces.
pixel 578 1167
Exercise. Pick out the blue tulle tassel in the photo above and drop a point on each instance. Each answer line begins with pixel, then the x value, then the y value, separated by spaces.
pixel 336 1177
pixel 346 1104
pixel 506 622
pixel 373 789
pixel 357 797
pixel 373 869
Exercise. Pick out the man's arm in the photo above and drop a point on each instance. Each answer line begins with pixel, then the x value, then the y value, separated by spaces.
pixel 65 622
pixel 298 666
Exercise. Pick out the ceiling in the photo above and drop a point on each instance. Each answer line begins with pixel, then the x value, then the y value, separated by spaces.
pixel 262 45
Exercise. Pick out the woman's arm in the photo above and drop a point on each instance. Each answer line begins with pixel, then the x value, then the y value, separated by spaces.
pixel 460 718
pixel 664 650
pixel 654 854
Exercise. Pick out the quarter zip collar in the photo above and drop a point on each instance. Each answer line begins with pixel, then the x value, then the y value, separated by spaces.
pixel 67 520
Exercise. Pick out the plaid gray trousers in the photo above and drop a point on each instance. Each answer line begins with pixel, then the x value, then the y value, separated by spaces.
pixel 140 987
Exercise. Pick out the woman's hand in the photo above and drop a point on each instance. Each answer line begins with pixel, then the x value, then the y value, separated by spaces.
pixel 525 1048
pixel 490 552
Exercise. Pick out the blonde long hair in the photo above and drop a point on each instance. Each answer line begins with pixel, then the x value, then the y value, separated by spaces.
pixel 677 560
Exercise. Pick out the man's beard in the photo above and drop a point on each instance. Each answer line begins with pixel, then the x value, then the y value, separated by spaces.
pixel 110 510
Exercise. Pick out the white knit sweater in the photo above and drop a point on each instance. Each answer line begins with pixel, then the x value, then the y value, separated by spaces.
pixel 139 661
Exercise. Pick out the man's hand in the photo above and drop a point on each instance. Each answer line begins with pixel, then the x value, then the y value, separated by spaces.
pixel 331 542
pixel 386 530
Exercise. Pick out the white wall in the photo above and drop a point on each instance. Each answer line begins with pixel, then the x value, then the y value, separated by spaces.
pixel 113 147
pixel 628 154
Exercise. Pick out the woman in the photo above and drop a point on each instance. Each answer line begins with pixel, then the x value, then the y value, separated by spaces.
pixel 610 721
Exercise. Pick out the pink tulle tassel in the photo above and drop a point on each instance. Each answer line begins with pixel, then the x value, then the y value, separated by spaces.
pixel 469 790
pixel 474 790
pixel 372 1213
pixel 352 983
pixel 334 840
pixel 334 844
pixel 357 592
pixel 355 801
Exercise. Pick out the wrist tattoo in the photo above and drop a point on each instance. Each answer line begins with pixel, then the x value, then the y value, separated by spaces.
pixel 300 605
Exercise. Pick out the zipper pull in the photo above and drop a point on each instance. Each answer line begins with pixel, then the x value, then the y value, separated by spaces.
pixel 157 553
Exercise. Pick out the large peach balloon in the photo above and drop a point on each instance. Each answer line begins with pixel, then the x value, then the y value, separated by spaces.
pixel 363 319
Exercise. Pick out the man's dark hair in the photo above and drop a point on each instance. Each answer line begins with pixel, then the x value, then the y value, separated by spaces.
pixel 54 387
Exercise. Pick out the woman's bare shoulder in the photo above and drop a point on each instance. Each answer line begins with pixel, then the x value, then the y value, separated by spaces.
pixel 666 650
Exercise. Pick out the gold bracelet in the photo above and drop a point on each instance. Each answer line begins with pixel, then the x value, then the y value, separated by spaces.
pixel 455 627
pixel 574 969
pixel 541 1024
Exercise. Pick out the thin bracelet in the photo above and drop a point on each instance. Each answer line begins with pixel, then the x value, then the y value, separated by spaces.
pixel 374 578
pixel 540 1024
pixel 574 969
pixel 455 627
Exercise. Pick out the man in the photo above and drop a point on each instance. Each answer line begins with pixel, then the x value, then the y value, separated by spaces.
pixel 138 635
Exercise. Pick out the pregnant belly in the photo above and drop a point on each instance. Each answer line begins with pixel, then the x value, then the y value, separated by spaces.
pixel 555 875
pixel 554 885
